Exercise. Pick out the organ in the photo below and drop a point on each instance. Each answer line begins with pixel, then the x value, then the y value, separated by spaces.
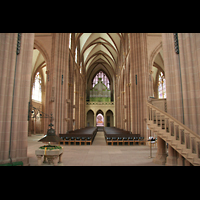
pixel 100 93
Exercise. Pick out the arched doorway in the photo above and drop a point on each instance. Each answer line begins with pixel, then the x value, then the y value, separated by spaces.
pixel 99 118
pixel 90 118
pixel 109 119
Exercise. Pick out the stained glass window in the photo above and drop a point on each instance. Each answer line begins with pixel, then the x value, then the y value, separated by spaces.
pixel 161 86
pixel 104 79
pixel 37 89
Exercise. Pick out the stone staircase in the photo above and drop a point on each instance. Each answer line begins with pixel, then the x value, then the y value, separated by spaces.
pixel 177 135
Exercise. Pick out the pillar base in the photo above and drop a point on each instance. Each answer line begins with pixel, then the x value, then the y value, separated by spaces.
pixel 25 161
pixel 161 152
pixel 172 157
pixel 160 159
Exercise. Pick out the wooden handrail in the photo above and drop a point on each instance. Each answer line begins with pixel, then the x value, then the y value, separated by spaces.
pixel 175 120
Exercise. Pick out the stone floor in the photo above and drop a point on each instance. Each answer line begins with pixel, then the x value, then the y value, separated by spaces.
pixel 97 154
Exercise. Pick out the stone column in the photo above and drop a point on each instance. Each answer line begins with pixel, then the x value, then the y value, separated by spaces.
pixel 172 75
pixel 14 103
pixel 128 97
pixel 78 104
pixel 8 44
pixel 188 59
pixel 161 152
pixel 84 100
pixel 71 93
pixel 116 102
pixel 121 101
pixel 76 98
pixel 95 119
pixel 190 68
pixel 138 93
pixel 125 100
pixel 60 62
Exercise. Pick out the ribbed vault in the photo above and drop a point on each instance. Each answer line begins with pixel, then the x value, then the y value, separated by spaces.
pixel 98 48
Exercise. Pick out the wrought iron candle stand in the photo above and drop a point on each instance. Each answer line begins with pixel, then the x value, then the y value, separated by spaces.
pixel 36 113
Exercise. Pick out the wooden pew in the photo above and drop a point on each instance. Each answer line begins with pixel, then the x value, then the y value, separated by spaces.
pixel 83 136
pixel 121 137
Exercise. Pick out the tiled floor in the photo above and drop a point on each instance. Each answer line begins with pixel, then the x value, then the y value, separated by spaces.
pixel 97 154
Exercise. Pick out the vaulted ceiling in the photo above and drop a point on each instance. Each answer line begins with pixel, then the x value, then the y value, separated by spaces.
pixel 98 48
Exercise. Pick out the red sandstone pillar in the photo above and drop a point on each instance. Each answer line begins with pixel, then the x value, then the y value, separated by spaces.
pixel 60 67
pixel 188 59
pixel 17 105
pixel 138 93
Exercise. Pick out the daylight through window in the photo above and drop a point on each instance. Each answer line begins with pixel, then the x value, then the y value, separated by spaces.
pixel 162 86
pixel 37 89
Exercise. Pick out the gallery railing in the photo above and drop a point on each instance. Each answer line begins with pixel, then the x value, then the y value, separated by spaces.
pixel 100 103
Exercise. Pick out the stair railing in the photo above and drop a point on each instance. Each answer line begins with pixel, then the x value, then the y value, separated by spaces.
pixel 169 124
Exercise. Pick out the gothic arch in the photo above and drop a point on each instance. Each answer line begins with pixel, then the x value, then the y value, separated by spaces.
pixel 154 54
pixel 109 118
pixel 99 112
pixel 90 118
pixel 98 67
pixel 38 46
pixel 101 121
pixel 38 67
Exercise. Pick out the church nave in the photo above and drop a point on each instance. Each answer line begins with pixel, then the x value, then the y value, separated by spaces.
pixel 146 84
pixel 97 154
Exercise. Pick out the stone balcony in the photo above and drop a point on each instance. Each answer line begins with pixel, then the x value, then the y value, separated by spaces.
pixel 100 103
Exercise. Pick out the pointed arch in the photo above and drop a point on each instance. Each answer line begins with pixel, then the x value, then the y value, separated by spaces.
pixel 38 46
pixel 90 118
pixel 154 54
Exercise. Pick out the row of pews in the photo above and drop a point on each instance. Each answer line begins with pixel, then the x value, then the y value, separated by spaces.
pixel 115 136
pixel 84 136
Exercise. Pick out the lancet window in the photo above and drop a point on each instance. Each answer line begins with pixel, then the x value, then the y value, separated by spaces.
pixel 104 79
pixel 37 88
pixel 70 40
pixel 162 86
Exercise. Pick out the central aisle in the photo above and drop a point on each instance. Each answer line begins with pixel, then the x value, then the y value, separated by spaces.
pixel 99 140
